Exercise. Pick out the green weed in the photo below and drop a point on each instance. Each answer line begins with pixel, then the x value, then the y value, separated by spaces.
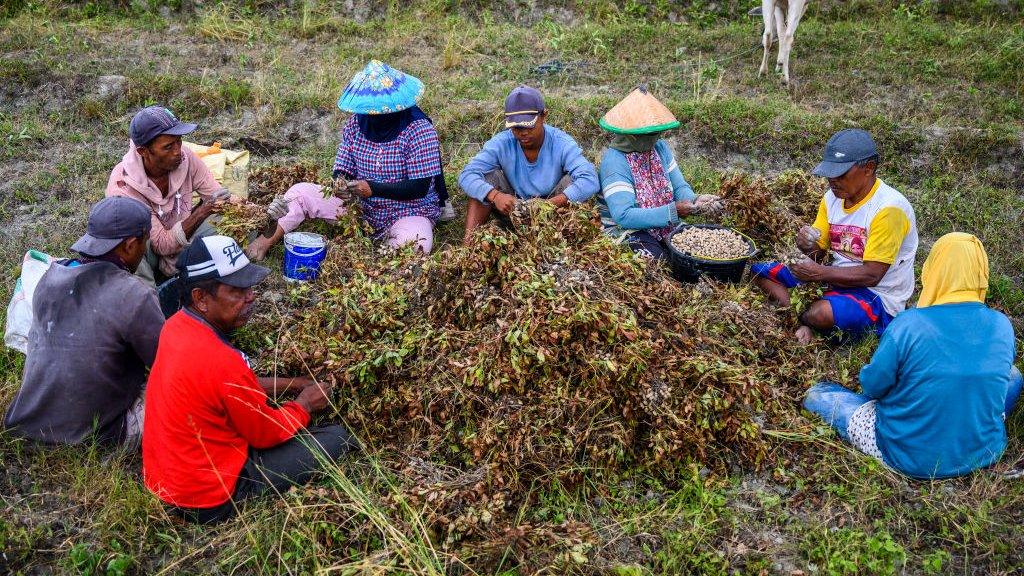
pixel 843 551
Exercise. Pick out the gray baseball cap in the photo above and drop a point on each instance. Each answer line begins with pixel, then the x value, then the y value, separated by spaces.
pixel 153 121
pixel 111 221
pixel 522 106
pixel 843 150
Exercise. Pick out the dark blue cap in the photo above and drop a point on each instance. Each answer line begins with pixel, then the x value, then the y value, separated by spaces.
pixel 522 107
pixel 843 150
pixel 153 121
pixel 111 221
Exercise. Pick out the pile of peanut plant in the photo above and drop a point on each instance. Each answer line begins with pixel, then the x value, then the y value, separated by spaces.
pixel 540 351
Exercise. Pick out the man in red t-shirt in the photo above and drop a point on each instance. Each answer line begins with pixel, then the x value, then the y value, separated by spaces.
pixel 210 438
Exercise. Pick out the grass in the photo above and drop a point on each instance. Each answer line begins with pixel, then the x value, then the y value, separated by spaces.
pixel 939 83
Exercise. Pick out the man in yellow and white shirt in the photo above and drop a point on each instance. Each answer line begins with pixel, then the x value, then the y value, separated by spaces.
pixel 869 231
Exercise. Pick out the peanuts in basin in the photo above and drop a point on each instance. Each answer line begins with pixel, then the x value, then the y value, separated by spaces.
pixel 714 243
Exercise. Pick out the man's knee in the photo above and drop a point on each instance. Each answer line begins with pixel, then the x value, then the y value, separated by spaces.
pixel 304 190
pixel 497 179
pixel 333 441
pixel 561 186
pixel 765 284
pixel 822 394
pixel 818 316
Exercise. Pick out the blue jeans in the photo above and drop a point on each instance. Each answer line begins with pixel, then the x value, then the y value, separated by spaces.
pixel 836 403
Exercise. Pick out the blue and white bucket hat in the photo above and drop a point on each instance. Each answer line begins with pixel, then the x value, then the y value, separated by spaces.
pixel 380 89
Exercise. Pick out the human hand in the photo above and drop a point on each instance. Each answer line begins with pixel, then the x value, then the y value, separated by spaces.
pixel 503 202
pixel 558 200
pixel 360 188
pixel 219 200
pixel 685 208
pixel 215 204
pixel 203 210
pixel 339 182
pixel 709 204
pixel 314 397
pixel 807 239
pixel 805 270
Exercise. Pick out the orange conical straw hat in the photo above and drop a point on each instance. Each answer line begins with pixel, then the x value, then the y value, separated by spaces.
pixel 638 113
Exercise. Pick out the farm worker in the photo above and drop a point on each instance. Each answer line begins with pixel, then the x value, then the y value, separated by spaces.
pixel 390 158
pixel 643 192
pixel 937 391
pixel 528 160
pixel 94 334
pixel 163 175
pixel 210 438
pixel 869 230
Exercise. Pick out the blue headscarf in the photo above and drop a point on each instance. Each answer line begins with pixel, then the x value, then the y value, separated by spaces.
pixel 381 128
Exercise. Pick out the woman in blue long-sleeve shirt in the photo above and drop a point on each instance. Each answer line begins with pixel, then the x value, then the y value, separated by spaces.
pixel 938 389
pixel 643 192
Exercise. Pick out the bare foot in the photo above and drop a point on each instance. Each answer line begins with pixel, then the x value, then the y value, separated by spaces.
pixel 804 335
pixel 258 248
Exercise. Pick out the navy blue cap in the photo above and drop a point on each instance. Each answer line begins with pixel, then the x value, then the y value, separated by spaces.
pixel 843 150
pixel 522 106
pixel 153 121
pixel 111 221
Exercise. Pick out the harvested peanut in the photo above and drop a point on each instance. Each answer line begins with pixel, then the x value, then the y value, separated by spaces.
pixel 717 243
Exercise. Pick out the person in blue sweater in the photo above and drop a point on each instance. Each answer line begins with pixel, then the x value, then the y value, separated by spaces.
pixel 643 192
pixel 528 160
pixel 938 389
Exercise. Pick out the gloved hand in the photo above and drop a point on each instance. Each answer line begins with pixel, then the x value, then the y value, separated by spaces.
pixel 220 195
pixel 708 204
pixel 278 208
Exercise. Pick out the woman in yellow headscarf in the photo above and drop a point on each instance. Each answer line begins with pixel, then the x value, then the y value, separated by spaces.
pixel 937 391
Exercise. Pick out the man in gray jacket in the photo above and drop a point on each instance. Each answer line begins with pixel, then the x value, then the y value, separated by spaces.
pixel 94 334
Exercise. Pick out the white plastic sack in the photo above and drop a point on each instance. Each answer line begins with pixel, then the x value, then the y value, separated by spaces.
pixel 19 311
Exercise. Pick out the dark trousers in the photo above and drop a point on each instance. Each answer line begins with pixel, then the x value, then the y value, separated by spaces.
pixel 292 463
pixel 643 241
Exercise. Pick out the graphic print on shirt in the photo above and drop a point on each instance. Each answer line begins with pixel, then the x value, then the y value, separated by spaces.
pixel 848 240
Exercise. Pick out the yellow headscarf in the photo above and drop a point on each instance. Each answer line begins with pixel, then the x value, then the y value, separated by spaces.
pixel 956 271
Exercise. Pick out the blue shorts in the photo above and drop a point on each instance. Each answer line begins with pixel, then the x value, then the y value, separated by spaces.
pixel 855 310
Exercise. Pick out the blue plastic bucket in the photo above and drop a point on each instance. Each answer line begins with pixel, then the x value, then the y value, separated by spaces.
pixel 303 253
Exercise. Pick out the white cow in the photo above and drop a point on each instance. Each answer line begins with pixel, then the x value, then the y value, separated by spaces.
pixel 781 18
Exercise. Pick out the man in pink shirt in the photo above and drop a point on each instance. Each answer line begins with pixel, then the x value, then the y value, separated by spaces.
pixel 163 175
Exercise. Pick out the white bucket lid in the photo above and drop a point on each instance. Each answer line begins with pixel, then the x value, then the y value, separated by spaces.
pixel 305 240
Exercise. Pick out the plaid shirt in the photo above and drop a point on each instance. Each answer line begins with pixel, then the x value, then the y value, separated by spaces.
pixel 416 153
